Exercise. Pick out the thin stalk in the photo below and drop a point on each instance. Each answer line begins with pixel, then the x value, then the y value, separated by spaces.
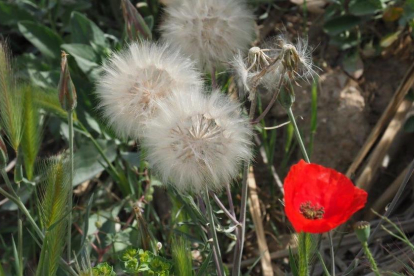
pixel 216 247
pixel 224 209
pixel 213 77
pixel 230 199
pixel 15 198
pixel 303 255
pixel 332 252
pixel 370 258
pixel 20 245
pixel 297 134
pixel 238 252
pixel 272 101
pixel 303 237
pixel 69 233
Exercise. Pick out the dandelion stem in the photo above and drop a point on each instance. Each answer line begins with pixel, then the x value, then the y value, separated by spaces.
pixel 224 209
pixel 216 247
pixel 297 134
pixel 272 101
pixel 230 199
pixel 332 252
pixel 70 200
pixel 238 252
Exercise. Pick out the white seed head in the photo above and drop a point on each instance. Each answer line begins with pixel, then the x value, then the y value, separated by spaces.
pixel 301 53
pixel 295 63
pixel 210 31
pixel 198 141
pixel 136 78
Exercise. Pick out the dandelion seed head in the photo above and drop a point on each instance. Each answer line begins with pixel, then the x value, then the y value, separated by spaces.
pixel 295 61
pixel 210 31
pixel 136 78
pixel 204 140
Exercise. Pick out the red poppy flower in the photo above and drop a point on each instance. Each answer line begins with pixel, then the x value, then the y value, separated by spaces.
pixel 318 199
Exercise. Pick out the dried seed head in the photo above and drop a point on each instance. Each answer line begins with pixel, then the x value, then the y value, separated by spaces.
pixel 198 140
pixel 210 31
pixel 67 91
pixel 3 154
pixel 136 79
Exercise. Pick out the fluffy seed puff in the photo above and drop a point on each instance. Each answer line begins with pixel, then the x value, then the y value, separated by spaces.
pixel 280 58
pixel 198 141
pixel 210 31
pixel 136 78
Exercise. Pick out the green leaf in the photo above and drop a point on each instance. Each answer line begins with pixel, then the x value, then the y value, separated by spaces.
pixel 89 162
pixel 10 14
pixel 42 37
pixel 409 125
pixel 85 31
pixel 365 7
pixel 340 24
pixel 85 58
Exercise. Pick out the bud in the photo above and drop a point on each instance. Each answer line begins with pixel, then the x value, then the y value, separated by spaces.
pixel 362 230
pixel 67 91
pixel 287 95
pixel 134 22
pixel 98 224
pixel 3 154
pixel 159 246
pixel 290 60
pixel 149 198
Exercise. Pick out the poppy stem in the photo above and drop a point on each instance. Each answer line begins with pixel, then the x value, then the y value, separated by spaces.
pixel 304 240
pixel 297 134
pixel 370 258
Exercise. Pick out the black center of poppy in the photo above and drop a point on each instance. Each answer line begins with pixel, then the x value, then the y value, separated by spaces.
pixel 310 211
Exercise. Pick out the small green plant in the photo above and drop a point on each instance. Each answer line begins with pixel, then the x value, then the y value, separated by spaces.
pixel 145 262
pixel 103 269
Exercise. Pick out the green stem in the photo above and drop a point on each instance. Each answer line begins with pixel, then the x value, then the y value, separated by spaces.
pixel 332 252
pixel 216 247
pixel 20 246
pixel 303 254
pixel 303 237
pixel 297 134
pixel 370 258
pixel 70 199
